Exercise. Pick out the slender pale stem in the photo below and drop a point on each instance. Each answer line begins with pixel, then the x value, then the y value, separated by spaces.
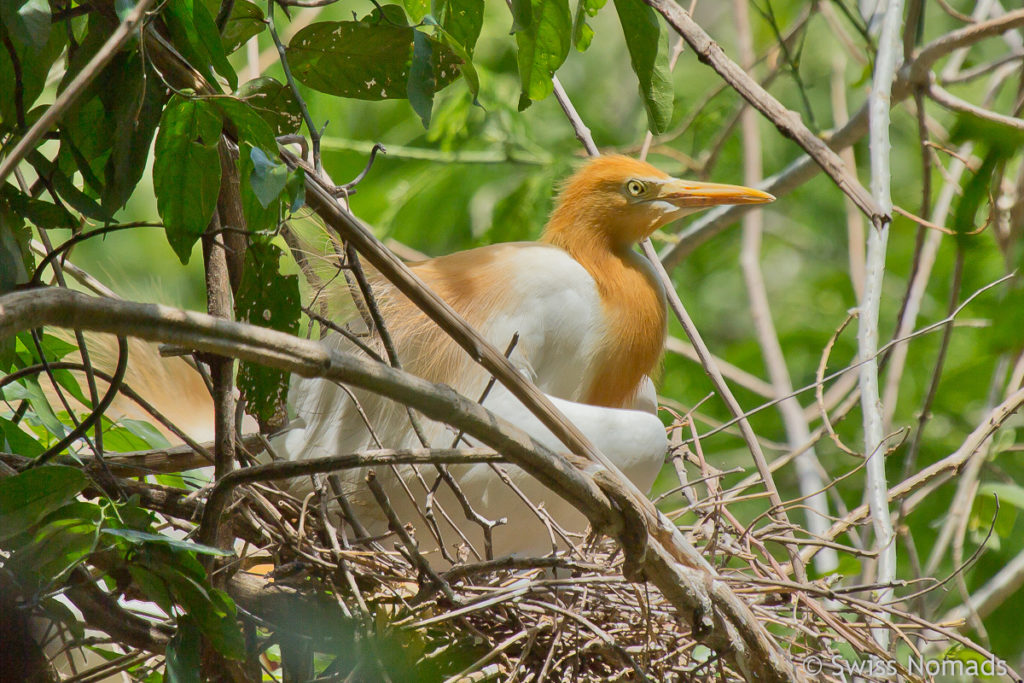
pixel 867 331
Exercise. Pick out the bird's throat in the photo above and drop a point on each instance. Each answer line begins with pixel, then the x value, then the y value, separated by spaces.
pixel 634 306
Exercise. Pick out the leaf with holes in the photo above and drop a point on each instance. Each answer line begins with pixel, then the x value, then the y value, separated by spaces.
pixel 268 299
pixel 366 60
pixel 274 102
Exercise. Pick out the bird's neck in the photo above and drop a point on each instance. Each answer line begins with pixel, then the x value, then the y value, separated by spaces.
pixel 634 305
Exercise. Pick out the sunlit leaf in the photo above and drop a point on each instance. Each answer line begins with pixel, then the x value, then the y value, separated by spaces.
pixel 582 33
pixel 647 40
pixel 543 46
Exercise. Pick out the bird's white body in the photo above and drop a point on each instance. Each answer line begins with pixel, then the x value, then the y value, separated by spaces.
pixel 553 304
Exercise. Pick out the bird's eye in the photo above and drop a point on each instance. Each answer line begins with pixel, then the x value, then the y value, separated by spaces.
pixel 635 188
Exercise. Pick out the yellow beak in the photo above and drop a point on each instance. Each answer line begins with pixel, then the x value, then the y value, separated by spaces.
pixel 695 194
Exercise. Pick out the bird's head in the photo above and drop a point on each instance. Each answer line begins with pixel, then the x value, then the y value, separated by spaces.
pixel 623 200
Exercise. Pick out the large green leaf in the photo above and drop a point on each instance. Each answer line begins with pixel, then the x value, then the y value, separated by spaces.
pixel 59 542
pixel 28 497
pixel 647 41
pixel 186 170
pixel 543 46
pixel 366 60
pixel 268 299
pixel 135 113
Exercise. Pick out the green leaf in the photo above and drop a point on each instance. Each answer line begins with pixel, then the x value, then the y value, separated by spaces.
pixel 29 389
pixel 366 60
pixel 258 218
pixel 543 46
pixel 647 41
pixel 463 20
pixel 246 21
pixel 268 299
pixel 274 102
pixel 213 612
pixel 522 15
pixel 34 64
pixel 268 177
pixel 109 130
pixel 135 114
pixel 152 586
pixel 183 653
pixel 78 200
pixel 28 497
pixel 16 440
pixel 62 540
pixel 27 21
pixel 40 213
pixel 417 9
pixel 147 432
pixel 15 255
pixel 186 171
pixel 582 34
pixel 420 88
pixel 194 32
pixel 141 537
pixel 1009 494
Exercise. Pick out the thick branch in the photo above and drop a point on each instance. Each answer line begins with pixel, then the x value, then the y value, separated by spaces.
pixel 726 625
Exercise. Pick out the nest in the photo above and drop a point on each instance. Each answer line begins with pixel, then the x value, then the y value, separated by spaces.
pixel 568 616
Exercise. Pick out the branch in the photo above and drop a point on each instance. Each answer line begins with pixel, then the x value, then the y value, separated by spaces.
pixel 935 473
pixel 788 122
pixel 722 622
pixel 867 326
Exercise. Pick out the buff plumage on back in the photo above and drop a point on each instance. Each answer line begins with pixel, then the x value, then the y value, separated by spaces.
pixel 593 223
